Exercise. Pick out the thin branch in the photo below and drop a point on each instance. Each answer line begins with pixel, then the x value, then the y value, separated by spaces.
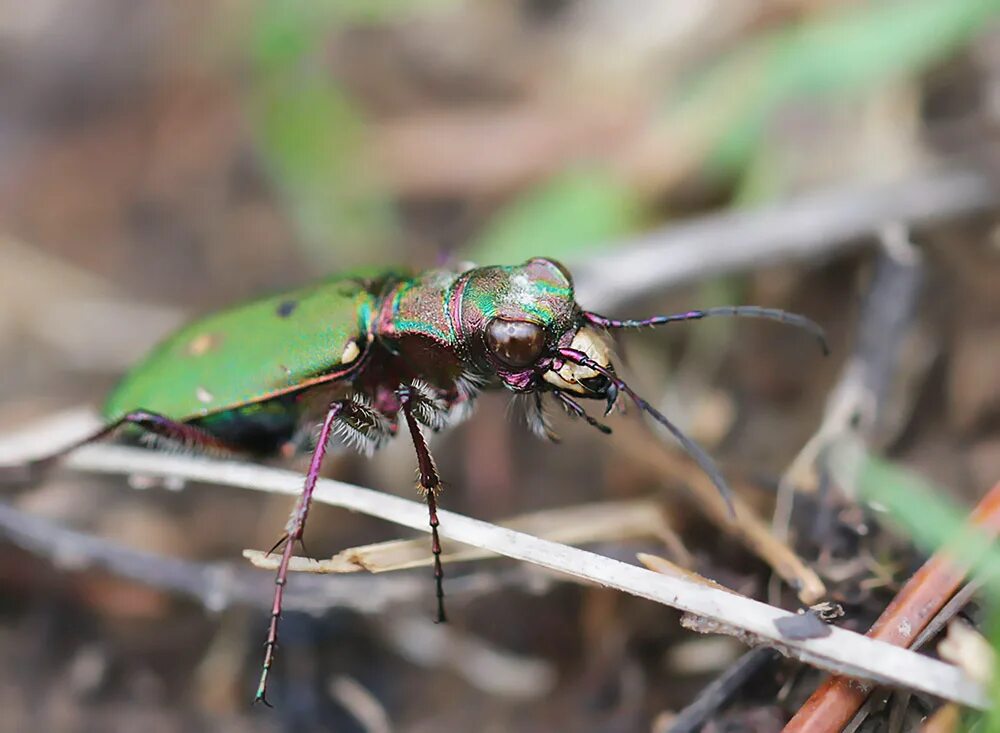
pixel 808 228
pixel 858 401
pixel 718 692
pixel 572 525
pixel 837 700
pixel 843 651
pixel 933 628
pixel 217 586
pixel 748 528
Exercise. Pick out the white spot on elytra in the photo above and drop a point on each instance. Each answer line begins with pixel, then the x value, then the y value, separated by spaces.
pixel 351 352
pixel 203 343
pixel 905 629
pixel 203 395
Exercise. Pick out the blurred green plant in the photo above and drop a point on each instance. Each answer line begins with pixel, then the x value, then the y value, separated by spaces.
pixel 576 211
pixel 846 51
pixel 719 118
pixel 933 523
pixel 311 133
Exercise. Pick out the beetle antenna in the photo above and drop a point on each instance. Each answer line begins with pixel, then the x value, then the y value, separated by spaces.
pixel 693 449
pixel 574 408
pixel 735 311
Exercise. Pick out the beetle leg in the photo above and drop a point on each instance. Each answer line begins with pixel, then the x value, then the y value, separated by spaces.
pixel 293 533
pixel 183 433
pixel 574 408
pixel 152 423
pixel 430 484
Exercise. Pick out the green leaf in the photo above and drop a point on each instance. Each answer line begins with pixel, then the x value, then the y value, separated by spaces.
pixel 310 133
pixel 563 217
pixel 929 518
pixel 848 50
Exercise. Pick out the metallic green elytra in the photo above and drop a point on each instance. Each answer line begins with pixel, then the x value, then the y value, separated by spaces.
pixel 363 352
pixel 252 352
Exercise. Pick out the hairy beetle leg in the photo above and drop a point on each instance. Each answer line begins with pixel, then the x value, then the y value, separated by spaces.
pixel 151 423
pixel 430 484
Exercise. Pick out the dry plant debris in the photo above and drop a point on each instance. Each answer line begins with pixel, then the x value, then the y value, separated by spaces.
pixel 832 706
pixel 574 525
pixel 748 528
pixel 718 611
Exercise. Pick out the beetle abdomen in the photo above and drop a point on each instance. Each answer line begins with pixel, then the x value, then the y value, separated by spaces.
pixel 260 428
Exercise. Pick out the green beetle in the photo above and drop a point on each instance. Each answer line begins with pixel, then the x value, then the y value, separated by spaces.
pixel 359 353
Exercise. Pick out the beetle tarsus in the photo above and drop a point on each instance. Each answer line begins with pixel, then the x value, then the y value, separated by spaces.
pixel 442 617
pixel 293 532
pixel 261 697
pixel 430 484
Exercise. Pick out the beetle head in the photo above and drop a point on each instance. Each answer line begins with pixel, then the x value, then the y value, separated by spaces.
pixel 523 325
pixel 514 321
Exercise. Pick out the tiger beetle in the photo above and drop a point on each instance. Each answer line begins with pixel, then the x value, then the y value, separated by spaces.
pixel 361 352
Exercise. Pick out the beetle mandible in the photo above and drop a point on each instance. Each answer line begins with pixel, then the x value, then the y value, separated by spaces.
pixel 359 353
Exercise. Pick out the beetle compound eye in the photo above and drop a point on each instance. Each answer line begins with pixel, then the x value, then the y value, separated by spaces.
pixel 515 343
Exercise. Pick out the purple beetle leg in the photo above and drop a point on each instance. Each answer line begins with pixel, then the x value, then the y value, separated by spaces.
pixel 293 533
pixel 430 484
pixel 183 433
pixel 150 422
pixel 575 408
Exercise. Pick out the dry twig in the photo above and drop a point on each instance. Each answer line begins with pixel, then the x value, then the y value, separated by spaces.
pixel 217 586
pixel 574 525
pixel 843 652
pixel 809 228
pixel 748 528
pixel 832 705
pixel 858 403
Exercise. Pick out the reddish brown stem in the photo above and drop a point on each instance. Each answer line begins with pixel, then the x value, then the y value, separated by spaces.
pixel 836 701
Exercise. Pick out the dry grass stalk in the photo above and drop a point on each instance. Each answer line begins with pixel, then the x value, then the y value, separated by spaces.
pixel 842 651
pixel 575 525
pixel 748 528
pixel 836 701
pixel 947 719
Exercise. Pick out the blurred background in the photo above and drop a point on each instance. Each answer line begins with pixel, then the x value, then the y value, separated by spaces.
pixel 161 159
